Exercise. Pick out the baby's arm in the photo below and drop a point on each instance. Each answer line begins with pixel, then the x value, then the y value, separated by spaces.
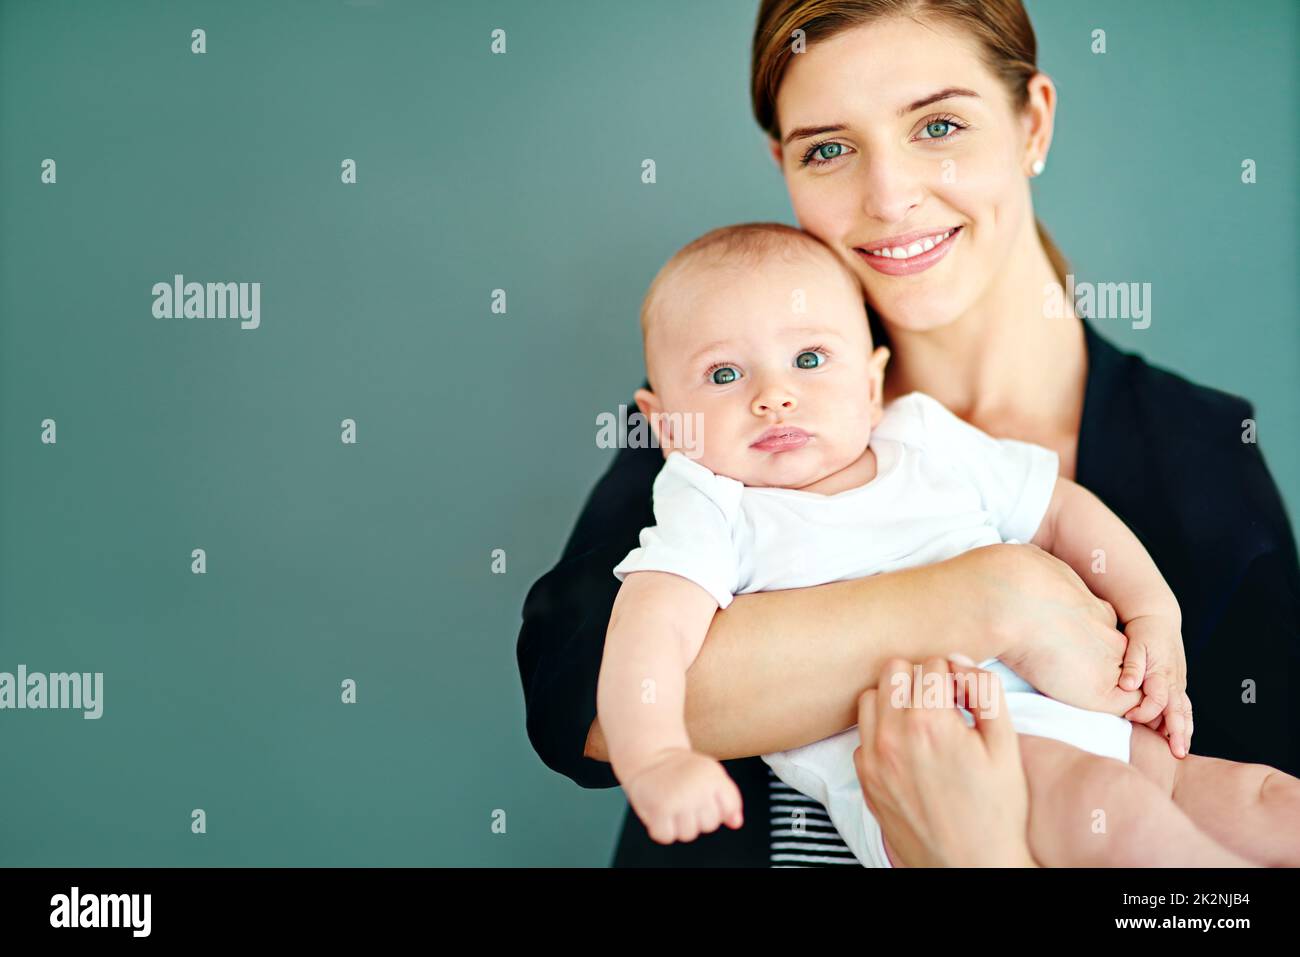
pixel 656 628
pixel 1081 531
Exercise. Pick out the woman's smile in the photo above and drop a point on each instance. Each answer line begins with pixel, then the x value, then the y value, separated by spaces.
pixel 917 256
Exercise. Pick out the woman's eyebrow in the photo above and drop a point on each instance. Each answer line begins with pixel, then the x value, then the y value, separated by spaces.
pixel 944 94
pixel 803 132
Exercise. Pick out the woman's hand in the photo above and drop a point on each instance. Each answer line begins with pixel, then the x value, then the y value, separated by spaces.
pixel 945 794
pixel 1057 634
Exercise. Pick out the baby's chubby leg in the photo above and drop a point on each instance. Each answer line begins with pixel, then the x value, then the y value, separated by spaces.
pixel 1090 811
pixel 1251 809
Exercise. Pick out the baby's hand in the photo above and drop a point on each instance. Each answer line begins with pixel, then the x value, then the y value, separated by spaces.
pixel 1155 661
pixel 682 794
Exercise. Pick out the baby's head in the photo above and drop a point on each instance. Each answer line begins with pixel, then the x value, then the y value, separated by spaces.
pixel 751 329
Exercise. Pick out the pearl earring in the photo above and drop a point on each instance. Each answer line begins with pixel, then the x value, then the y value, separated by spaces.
pixel 1038 167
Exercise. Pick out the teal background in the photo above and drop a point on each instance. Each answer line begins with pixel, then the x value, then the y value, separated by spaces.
pixel 475 430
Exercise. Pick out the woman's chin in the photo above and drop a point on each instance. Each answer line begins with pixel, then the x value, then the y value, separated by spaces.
pixel 916 313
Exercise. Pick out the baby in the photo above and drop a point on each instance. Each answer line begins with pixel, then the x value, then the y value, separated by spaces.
pixel 783 469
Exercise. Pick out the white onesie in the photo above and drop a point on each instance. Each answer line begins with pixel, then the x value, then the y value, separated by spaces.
pixel 942 487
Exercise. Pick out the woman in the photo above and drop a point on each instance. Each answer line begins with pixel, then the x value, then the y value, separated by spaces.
pixel 891 119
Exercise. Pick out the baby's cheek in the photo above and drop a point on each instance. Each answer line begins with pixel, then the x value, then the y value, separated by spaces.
pixel 686 433
pixel 716 445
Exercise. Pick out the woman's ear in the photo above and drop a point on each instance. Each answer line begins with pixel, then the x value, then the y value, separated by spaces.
pixel 651 410
pixel 1038 119
pixel 876 382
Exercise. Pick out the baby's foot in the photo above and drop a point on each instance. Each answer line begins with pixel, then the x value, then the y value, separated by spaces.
pixel 682 794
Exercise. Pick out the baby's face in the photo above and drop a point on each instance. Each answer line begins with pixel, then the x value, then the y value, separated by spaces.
pixel 774 365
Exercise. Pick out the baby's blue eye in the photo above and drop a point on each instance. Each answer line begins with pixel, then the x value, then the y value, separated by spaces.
pixel 724 375
pixel 808 360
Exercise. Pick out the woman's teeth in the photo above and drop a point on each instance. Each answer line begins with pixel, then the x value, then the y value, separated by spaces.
pixel 918 247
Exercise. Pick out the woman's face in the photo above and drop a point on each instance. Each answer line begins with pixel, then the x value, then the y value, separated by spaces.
pixel 870 163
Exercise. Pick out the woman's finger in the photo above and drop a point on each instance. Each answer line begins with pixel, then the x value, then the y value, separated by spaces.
pixel 867 717
pixel 942 672
pixel 987 704
pixel 938 702
pixel 895 697
pixel 865 755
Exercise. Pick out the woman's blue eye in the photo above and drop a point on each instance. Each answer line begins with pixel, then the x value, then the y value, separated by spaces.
pixel 724 375
pixel 823 154
pixel 808 360
pixel 939 129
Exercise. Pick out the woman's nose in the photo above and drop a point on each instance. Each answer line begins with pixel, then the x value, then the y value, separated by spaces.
pixel 774 399
pixel 890 189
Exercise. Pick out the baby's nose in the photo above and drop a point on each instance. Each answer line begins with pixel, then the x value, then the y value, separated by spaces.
pixel 773 399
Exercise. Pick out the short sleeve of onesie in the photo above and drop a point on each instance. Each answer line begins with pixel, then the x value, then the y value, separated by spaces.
pixel 1015 480
pixel 695 514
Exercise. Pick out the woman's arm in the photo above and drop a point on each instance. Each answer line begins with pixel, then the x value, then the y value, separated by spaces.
pixel 782 669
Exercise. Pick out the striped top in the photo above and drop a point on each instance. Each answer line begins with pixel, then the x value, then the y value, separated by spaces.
pixel 802 834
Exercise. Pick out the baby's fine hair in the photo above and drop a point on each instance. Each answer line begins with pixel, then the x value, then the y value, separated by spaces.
pixel 741 246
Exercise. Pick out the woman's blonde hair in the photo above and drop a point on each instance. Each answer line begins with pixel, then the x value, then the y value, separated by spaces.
pixel 1001 29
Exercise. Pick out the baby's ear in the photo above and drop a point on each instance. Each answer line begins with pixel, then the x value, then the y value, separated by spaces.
pixel 652 410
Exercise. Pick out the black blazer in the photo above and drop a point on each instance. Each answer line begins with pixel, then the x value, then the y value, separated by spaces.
pixel 1166 455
